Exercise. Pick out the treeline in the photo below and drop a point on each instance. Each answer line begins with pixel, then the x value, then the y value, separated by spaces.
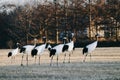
pixel 52 19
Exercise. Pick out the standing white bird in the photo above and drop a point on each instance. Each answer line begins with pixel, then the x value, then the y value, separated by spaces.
pixel 90 48
pixel 56 50
pixel 68 47
pixel 39 50
pixel 26 50
pixel 14 52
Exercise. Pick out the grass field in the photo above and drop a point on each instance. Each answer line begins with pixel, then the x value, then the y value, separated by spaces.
pixel 104 65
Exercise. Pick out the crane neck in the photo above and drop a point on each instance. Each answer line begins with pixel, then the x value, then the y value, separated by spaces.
pixel 18 45
pixel 97 38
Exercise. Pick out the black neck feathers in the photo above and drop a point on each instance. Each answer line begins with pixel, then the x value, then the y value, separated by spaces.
pixel 46 46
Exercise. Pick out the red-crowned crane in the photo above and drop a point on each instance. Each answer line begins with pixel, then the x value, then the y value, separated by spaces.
pixel 68 47
pixel 90 48
pixel 39 50
pixel 56 50
pixel 26 50
pixel 14 52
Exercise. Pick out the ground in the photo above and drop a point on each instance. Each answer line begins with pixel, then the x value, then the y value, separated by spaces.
pixel 104 65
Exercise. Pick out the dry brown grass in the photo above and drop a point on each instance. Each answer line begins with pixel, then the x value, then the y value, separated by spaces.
pixel 105 65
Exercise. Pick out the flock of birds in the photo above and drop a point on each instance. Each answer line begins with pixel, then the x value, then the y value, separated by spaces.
pixel 38 50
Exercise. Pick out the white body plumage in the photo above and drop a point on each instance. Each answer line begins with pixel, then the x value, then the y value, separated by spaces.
pixel 14 52
pixel 58 49
pixel 28 49
pixel 91 47
pixel 71 45
pixel 39 50
pixel 69 48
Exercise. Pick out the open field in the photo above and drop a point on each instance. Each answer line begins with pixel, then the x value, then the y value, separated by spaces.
pixel 104 65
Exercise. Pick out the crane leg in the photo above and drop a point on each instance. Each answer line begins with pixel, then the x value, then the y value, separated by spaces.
pixel 35 59
pixel 84 58
pixel 69 58
pixel 27 59
pixel 72 52
pixel 64 58
pixel 51 61
pixel 90 56
pixel 57 60
pixel 22 60
pixel 14 59
pixel 11 59
pixel 39 59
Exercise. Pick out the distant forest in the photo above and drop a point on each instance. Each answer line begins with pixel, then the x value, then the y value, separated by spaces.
pixel 54 19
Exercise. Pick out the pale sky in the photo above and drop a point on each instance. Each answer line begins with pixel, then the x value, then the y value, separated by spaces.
pixel 17 3
pixel 20 3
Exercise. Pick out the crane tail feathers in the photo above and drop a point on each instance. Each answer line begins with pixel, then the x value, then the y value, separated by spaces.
pixel 73 48
pixel 85 50
pixel 9 54
pixel 34 52
pixel 52 52
pixel 65 48
pixel 49 49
